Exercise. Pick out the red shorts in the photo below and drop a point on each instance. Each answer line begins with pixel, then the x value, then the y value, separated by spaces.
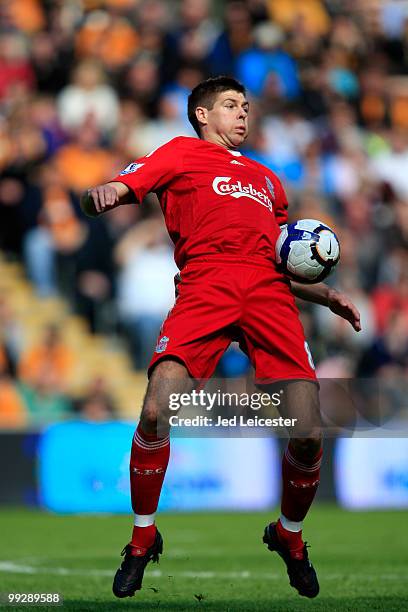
pixel 222 299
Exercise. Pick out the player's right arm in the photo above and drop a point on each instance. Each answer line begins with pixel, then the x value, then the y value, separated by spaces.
pixel 150 173
pixel 101 198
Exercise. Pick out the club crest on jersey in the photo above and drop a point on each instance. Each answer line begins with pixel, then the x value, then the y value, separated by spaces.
pixel 131 168
pixel 270 186
pixel 162 344
pixel 222 186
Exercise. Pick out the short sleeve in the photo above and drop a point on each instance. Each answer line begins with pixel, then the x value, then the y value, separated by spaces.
pixel 281 203
pixel 152 172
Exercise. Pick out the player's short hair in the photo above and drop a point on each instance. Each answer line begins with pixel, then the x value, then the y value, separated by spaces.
pixel 205 93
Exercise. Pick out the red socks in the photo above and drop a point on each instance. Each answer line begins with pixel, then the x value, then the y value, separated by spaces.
pixel 148 463
pixel 292 540
pixel 300 480
pixel 142 539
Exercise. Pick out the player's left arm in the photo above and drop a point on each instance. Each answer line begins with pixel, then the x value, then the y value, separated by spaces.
pixel 320 293
pixel 324 295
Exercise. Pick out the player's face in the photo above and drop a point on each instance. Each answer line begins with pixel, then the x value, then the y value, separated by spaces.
pixel 227 122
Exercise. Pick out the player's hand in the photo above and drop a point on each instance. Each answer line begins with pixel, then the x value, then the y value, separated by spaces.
pixel 99 199
pixel 342 306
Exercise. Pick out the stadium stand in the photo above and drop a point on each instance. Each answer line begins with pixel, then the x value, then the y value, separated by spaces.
pixel 87 86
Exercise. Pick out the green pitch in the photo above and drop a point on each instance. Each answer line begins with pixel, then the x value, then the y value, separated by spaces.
pixel 210 562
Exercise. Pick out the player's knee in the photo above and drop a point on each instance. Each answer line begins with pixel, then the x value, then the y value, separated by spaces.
pixel 154 418
pixel 149 417
pixel 307 447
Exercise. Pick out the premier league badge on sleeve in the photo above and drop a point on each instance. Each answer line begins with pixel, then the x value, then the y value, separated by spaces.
pixel 131 168
pixel 162 344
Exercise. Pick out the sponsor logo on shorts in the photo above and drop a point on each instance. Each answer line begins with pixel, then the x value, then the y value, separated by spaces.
pixel 131 168
pixel 162 344
pixel 222 186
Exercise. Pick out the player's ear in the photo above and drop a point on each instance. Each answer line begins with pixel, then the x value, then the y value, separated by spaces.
pixel 202 115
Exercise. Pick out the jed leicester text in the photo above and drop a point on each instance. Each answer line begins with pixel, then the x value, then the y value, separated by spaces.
pixel 235 421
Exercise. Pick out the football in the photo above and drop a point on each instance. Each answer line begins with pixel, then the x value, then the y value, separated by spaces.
pixel 307 251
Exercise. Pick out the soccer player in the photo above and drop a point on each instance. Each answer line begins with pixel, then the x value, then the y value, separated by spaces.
pixel 223 212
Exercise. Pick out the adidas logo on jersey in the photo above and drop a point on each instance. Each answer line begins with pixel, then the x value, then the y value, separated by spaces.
pixel 234 161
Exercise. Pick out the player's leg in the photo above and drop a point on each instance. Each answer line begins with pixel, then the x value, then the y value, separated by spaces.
pixel 300 480
pixel 148 463
pixel 275 342
pixel 301 461
pixel 192 339
pixel 151 448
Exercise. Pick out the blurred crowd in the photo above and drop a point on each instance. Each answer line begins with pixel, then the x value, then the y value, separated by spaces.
pixel 88 85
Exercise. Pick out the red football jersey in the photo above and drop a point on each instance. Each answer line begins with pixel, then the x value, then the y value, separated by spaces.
pixel 214 200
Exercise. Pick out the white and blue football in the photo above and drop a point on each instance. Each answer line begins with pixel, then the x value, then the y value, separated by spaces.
pixel 307 251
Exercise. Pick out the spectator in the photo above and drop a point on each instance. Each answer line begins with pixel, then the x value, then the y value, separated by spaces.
pixel 57 230
pixel 16 74
pixel 390 166
pixel 391 298
pixel 25 15
pixel 88 97
pixel 97 403
pixel 83 161
pixel 45 118
pixel 145 286
pixel 388 355
pixel 254 66
pixel 196 33
pixel 11 337
pixel 89 272
pixel 142 82
pixel 43 401
pixel 312 13
pixel 11 202
pixel 235 38
pixel 107 36
pixel 48 364
pixel 49 62
pixel 154 133
pixel 13 413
